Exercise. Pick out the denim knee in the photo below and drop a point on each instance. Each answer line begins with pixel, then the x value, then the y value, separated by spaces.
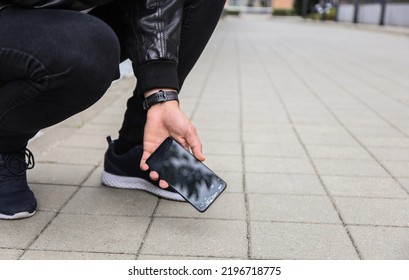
pixel 89 65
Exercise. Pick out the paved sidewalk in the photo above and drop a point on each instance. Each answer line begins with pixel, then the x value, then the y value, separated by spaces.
pixel 308 124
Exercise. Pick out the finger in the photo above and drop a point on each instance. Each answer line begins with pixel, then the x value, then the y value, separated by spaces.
pixel 163 184
pixel 143 165
pixel 194 143
pixel 197 152
pixel 186 146
pixel 154 175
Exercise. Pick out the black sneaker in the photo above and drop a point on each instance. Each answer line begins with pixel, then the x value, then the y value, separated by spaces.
pixel 122 171
pixel 17 201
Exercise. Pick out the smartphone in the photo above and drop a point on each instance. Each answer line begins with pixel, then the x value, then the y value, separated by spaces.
pixel 188 176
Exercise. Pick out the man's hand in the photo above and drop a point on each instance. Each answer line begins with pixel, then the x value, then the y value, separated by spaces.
pixel 164 120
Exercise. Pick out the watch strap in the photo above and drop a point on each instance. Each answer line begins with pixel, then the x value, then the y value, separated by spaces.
pixel 159 97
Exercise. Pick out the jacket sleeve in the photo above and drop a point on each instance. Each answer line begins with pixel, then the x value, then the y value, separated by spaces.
pixel 153 36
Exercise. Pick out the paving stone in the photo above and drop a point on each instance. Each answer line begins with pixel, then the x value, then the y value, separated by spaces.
pixel 292 208
pixel 331 152
pixel 400 122
pixel 278 165
pixel 405 183
pixel 328 140
pixel 94 180
pixel 86 141
pixel 374 211
pixel 398 168
pixel 9 254
pixel 50 197
pixel 217 135
pixel 363 120
pixel 270 107
pixel 271 138
pixel 219 163
pixel 221 148
pixel 228 206
pixel 270 116
pixel 61 255
pixel 283 184
pixel 219 109
pixel 393 142
pixel 274 150
pixel 108 119
pixel 18 234
pixel 167 257
pixel 74 121
pixel 405 129
pixel 284 129
pixel 100 130
pixel 363 187
pixel 381 243
pixel 222 125
pixel 234 181
pixel 374 131
pixel 320 130
pixel 324 119
pixel 300 241
pixel 48 138
pixel 59 174
pixel 111 201
pixel 67 155
pixel 206 114
pixel 196 237
pixel 391 154
pixel 349 167
pixel 110 234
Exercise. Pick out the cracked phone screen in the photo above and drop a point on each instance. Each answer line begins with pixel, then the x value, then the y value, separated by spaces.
pixel 199 185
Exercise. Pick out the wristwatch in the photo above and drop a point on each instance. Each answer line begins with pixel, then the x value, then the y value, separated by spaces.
pixel 159 97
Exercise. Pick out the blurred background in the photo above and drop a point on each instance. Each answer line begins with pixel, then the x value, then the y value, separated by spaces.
pixel 382 12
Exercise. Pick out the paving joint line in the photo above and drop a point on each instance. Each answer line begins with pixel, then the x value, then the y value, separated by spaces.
pixel 341 85
pixel 191 256
pixel 339 120
pixel 365 68
pixel 148 228
pixel 205 80
pixel 56 213
pixel 243 153
pixel 79 251
pixel 303 145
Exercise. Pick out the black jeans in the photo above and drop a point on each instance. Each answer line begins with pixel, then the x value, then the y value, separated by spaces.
pixel 56 63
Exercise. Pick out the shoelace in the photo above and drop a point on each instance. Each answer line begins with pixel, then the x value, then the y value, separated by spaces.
pixel 28 162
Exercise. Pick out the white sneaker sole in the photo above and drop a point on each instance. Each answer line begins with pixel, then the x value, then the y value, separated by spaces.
pixel 133 183
pixel 17 216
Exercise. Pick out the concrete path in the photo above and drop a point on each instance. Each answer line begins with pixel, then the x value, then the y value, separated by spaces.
pixel 309 125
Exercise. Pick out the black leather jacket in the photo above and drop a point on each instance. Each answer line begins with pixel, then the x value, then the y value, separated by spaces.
pixel 151 30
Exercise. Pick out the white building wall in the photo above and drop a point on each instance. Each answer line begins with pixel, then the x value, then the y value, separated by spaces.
pixel 397 14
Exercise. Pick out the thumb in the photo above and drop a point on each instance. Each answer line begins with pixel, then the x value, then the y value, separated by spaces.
pixel 197 152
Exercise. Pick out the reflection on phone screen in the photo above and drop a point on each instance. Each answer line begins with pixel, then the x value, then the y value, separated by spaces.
pixel 191 178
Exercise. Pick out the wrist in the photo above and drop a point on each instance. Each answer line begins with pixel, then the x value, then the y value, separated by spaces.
pixel 154 97
pixel 152 91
